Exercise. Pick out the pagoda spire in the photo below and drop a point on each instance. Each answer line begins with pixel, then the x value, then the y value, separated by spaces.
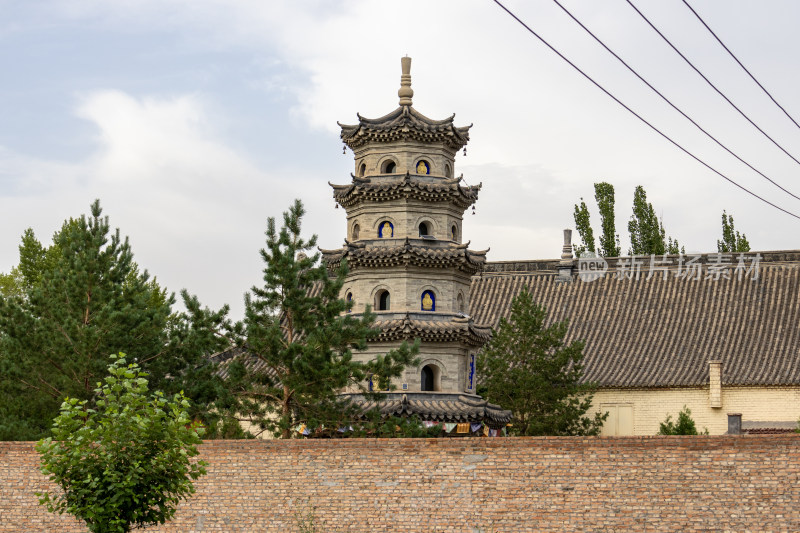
pixel 405 92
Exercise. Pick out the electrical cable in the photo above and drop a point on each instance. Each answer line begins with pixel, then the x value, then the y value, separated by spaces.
pixel 711 84
pixel 667 100
pixel 703 22
pixel 634 113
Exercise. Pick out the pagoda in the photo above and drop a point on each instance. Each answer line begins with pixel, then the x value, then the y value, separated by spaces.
pixel 408 262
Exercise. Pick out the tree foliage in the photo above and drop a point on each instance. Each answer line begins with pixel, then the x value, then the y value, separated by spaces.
pixel 609 240
pixel 300 341
pixel 584 227
pixel 127 461
pixel 732 240
pixel 646 230
pixel 79 300
pixel 684 426
pixel 528 368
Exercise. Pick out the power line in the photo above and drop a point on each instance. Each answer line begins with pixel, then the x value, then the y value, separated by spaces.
pixel 667 100
pixel 711 84
pixel 634 113
pixel 740 63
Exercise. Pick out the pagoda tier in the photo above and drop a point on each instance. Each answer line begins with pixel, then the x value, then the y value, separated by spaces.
pixel 436 407
pixel 407 187
pixel 410 252
pixel 426 327
pixel 403 124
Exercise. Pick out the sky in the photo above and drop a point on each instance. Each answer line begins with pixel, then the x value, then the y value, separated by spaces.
pixel 195 121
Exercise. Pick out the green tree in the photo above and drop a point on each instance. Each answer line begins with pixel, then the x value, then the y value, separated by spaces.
pixel 609 240
pixel 732 240
pixel 80 299
pixel 646 230
pixel 127 462
pixel 584 227
pixel 300 341
pixel 528 368
pixel 684 426
pixel 12 284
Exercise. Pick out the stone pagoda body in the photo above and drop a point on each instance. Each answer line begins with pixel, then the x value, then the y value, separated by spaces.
pixel 407 259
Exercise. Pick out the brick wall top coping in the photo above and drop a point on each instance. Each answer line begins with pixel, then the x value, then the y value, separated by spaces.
pixel 694 442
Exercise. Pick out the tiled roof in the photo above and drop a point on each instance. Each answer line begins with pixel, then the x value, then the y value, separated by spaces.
pixel 405 123
pixel 437 407
pixel 428 329
pixel 768 428
pixel 661 332
pixel 408 186
pixel 398 252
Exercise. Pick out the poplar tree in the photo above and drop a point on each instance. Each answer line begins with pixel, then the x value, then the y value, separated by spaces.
pixel 79 300
pixel 528 368
pixel 299 341
pixel 732 240
pixel 584 227
pixel 646 230
pixel 609 240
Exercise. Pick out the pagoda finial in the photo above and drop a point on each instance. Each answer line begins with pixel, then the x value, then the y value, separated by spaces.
pixel 406 92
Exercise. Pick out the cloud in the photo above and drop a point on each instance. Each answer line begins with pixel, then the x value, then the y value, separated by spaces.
pixel 166 179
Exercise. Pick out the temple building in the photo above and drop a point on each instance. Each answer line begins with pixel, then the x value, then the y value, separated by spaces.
pixel 408 261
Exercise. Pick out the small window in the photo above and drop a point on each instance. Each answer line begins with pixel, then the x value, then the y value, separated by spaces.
pixel 423 167
pixel 423 229
pixel 383 300
pixel 356 231
pixel 385 230
pixel 362 169
pixel 388 167
pixel 349 299
pixel 454 233
pixel 448 172
pixel 430 377
pixel 460 303
pixel 428 301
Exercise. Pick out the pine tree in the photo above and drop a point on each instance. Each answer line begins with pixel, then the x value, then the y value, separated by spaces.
pixel 732 240
pixel 82 299
pixel 300 341
pixel 528 368
pixel 646 230
pixel 684 426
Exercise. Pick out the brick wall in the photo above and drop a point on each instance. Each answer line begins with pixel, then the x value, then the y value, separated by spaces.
pixel 468 485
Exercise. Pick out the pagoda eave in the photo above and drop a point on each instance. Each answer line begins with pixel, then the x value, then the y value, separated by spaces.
pixel 435 407
pixel 446 330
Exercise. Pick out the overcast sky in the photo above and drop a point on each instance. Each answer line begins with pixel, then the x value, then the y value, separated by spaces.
pixel 194 121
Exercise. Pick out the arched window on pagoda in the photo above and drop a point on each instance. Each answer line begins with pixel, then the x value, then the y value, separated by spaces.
pixel 362 170
pixel 460 303
pixel 424 229
pixel 388 167
pixel 382 300
pixel 385 230
pixel 356 231
pixel 430 378
pixel 454 233
pixel 349 299
pixel 428 301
